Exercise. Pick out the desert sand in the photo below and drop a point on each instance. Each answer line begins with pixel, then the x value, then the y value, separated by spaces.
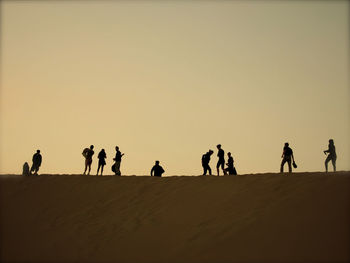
pixel 303 217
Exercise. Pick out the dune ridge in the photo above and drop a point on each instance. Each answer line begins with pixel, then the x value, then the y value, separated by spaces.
pixel 303 217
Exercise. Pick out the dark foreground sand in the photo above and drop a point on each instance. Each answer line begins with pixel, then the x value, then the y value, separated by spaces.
pixel 247 218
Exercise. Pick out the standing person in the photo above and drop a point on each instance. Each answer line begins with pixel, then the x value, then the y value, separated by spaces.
pixel 205 162
pixel 231 170
pixel 332 156
pixel 287 156
pixel 157 170
pixel 88 153
pixel 117 159
pixel 101 160
pixel 37 158
pixel 221 161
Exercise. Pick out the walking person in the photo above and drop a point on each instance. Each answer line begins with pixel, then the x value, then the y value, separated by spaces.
pixel 117 159
pixel 101 160
pixel 231 170
pixel 88 153
pixel 37 159
pixel 205 162
pixel 221 161
pixel 157 170
pixel 332 156
pixel 287 156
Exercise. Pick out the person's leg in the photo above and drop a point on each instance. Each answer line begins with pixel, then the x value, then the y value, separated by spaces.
pixel 204 169
pixel 326 162
pixel 89 168
pixel 289 165
pixel 218 168
pixel 223 167
pixel 209 169
pixel 117 168
pixel 334 160
pixel 86 165
pixel 98 168
pixel 282 165
pixel 102 169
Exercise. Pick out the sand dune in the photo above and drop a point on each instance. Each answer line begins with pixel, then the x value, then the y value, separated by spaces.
pixel 247 218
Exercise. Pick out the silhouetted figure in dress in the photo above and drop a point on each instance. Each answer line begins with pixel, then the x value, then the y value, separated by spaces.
pixel 117 159
pixel 26 170
pixel 332 156
pixel 287 156
pixel 205 162
pixel 157 170
pixel 221 161
pixel 88 153
pixel 101 160
pixel 231 170
pixel 36 162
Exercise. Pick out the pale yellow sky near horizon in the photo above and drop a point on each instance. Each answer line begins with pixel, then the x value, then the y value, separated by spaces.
pixel 169 80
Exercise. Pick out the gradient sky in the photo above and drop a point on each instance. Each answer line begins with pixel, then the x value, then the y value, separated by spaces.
pixel 169 80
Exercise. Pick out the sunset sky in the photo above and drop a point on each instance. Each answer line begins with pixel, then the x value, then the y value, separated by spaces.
pixel 169 80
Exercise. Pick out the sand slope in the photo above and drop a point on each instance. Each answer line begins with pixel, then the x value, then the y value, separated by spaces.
pixel 247 218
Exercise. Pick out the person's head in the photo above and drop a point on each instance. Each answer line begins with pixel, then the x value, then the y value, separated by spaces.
pixel 117 148
pixel 331 141
pixel 91 147
pixel 229 154
pixel 157 162
pixel 38 151
pixel 102 150
pixel 218 146
pixel 286 144
pixel 211 152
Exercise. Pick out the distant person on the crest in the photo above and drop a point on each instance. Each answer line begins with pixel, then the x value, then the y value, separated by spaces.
pixel 101 160
pixel 231 170
pixel 117 159
pixel 157 170
pixel 287 156
pixel 221 161
pixel 88 153
pixel 26 170
pixel 332 156
pixel 36 163
pixel 205 162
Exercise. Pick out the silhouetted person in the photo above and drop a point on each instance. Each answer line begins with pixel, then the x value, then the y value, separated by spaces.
pixel 36 162
pixel 157 170
pixel 205 162
pixel 221 161
pixel 231 170
pixel 101 160
pixel 332 156
pixel 117 159
pixel 88 153
pixel 25 170
pixel 287 156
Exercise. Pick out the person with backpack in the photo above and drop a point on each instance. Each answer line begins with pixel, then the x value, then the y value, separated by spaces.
pixel 231 170
pixel 157 170
pixel 117 159
pixel 332 156
pixel 221 161
pixel 88 153
pixel 101 161
pixel 205 162
pixel 287 156
pixel 37 158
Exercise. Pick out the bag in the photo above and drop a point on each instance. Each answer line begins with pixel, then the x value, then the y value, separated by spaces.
pixel 295 165
pixel 85 152
pixel 113 168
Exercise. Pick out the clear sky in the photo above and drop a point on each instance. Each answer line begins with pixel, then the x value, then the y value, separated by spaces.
pixel 168 80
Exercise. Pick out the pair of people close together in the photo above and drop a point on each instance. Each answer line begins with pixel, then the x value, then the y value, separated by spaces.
pixel 231 170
